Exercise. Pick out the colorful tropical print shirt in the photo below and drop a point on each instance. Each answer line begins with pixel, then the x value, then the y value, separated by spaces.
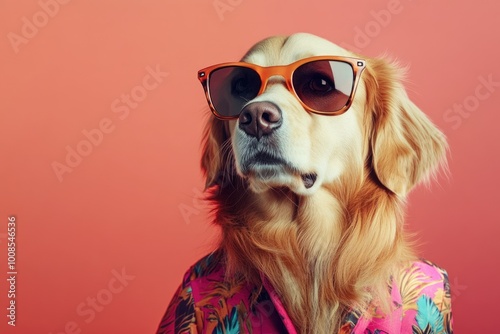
pixel 204 303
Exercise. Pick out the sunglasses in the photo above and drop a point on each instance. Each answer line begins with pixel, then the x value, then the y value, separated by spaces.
pixel 323 85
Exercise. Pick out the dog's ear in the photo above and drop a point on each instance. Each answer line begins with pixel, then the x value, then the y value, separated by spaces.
pixel 212 159
pixel 406 146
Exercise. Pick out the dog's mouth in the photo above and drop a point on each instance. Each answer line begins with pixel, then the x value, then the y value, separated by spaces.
pixel 309 179
pixel 269 171
pixel 263 158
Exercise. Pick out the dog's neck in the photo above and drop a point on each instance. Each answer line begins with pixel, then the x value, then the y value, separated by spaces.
pixel 316 251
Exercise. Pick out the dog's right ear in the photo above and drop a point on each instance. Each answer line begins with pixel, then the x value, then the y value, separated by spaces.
pixel 214 137
pixel 407 147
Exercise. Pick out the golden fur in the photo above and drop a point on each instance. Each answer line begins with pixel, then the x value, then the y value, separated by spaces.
pixel 337 247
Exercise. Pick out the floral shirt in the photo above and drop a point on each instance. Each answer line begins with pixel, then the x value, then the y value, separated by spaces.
pixel 205 303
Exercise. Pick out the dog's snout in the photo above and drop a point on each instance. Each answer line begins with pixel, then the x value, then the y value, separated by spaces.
pixel 260 119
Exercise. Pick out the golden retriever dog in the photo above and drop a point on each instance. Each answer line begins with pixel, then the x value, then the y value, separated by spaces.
pixel 309 155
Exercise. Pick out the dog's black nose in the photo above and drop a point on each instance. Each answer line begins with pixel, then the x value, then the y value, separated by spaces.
pixel 260 119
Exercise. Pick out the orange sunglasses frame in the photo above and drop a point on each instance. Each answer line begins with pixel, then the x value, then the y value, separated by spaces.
pixel 285 71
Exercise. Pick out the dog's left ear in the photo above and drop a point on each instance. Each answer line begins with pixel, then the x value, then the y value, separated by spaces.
pixel 406 146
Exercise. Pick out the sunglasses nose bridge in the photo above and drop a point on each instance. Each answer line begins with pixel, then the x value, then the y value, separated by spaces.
pixel 272 75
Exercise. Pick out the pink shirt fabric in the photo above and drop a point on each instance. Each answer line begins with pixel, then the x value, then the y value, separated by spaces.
pixel 205 303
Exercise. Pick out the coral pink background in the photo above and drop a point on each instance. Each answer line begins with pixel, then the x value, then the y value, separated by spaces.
pixel 132 202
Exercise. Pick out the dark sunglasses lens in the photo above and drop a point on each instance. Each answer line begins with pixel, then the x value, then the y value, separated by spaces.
pixel 324 85
pixel 231 87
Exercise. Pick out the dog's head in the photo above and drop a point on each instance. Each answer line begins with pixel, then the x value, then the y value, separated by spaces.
pixel 276 142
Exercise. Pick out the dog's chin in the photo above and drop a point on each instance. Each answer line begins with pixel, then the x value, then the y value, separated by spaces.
pixel 262 178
